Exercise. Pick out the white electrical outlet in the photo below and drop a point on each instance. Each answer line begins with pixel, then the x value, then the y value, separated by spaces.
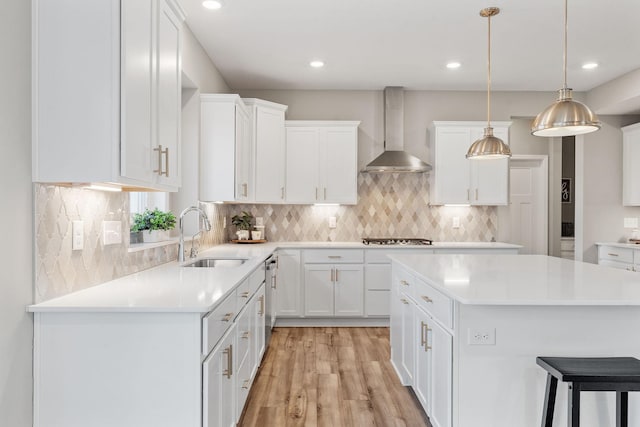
pixel 111 232
pixel 631 223
pixel 224 222
pixel 456 222
pixel 333 222
pixel 77 235
pixel 481 336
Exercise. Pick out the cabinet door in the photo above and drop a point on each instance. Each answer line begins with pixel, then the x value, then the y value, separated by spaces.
pixel 408 340
pixel 270 154
pixel 423 377
pixel 218 384
pixel 303 157
pixel 442 376
pixel 348 290
pixel 451 166
pixel 169 89
pixel 288 286
pixel 136 91
pixel 259 329
pixel 395 330
pixel 490 177
pixel 243 158
pixel 318 290
pixel 340 159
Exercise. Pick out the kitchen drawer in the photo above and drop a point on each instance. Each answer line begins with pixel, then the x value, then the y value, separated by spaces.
pixel 402 281
pixel 243 384
pixel 243 293
pixel 435 303
pixel 381 256
pixel 615 254
pixel 215 323
pixel 334 256
pixel 243 329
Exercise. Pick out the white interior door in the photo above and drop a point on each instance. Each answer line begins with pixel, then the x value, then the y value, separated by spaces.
pixel 525 220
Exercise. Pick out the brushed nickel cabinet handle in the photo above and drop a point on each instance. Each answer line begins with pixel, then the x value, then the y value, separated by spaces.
pixel 404 283
pixel 261 312
pixel 337 275
pixel 610 254
pixel 426 298
pixel 423 340
pixel 325 193
pixel 476 194
pixel 245 295
pixel 227 317
pixel 332 276
pixel 245 189
pixel 229 352
pixel 335 256
pixel 159 150
pixel 245 384
pixel 427 347
pixel 404 301
pixel 245 335
pixel 166 162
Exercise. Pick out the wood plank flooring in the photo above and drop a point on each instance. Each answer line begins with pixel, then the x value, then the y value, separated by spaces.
pixel 333 377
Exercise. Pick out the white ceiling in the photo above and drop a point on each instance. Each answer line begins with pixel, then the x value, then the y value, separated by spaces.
pixel 370 44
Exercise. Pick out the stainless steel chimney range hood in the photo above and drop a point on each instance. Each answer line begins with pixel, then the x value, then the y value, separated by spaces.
pixel 394 158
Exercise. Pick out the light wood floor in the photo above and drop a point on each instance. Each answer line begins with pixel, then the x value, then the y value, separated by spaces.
pixel 330 377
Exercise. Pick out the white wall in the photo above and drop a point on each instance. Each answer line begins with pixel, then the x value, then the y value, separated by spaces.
pixel 16 287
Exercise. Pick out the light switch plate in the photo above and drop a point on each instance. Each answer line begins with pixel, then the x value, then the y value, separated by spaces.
pixel 77 235
pixel 111 232
pixel 631 223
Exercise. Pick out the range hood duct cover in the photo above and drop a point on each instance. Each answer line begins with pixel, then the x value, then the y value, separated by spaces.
pixel 394 158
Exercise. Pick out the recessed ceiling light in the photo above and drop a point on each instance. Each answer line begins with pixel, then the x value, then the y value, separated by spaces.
pixel 316 64
pixel 453 65
pixel 589 65
pixel 212 4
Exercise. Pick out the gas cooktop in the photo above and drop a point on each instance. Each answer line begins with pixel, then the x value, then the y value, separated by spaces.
pixel 391 241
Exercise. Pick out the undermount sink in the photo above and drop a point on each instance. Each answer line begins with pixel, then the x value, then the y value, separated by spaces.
pixel 217 262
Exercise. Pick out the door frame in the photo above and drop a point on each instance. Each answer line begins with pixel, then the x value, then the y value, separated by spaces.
pixel 543 209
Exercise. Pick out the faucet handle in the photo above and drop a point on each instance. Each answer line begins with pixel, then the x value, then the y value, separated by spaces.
pixel 194 249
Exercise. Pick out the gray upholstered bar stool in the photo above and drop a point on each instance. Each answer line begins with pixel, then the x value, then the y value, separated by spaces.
pixel 619 374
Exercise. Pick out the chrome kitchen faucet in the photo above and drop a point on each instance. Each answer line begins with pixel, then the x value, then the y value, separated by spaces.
pixel 207 226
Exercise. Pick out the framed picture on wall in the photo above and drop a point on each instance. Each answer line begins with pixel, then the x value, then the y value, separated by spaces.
pixel 565 192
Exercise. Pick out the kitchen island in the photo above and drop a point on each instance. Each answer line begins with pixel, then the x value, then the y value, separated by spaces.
pixel 466 329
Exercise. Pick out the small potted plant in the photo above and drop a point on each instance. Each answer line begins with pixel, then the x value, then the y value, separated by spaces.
pixel 243 224
pixel 157 223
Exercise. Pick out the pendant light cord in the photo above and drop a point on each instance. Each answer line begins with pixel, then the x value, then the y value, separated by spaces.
pixel 564 54
pixel 489 74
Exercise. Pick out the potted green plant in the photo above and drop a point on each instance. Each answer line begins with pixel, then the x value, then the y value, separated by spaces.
pixel 243 224
pixel 157 222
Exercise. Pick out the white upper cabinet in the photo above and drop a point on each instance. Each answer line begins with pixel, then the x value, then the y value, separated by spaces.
pixel 321 161
pixel 106 92
pixel 457 180
pixel 630 170
pixel 225 149
pixel 268 142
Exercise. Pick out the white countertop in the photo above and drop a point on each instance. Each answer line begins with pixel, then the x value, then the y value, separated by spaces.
pixel 524 280
pixel 171 288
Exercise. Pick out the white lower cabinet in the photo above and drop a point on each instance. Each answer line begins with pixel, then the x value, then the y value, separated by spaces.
pixel 334 289
pixel 421 346
pixel 218 384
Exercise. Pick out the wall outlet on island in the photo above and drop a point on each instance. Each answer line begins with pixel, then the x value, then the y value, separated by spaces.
pixel 481 336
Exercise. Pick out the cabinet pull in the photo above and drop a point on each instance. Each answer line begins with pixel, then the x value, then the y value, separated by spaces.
pixel 162 152
pixel 245 295
pixel 336 275
pixel 274 282
pixel 404 301
pixel 426 298
pixel 468 197
pixel 261 312
pixel 245 335
pixel 425 336
pixel 423 340
pixel 335 256
pixel 316 193
pixel 610 254
pixel 282 193
pixel 325 193
pixel 476 194
pixel 332 277
pixel 227 317
pixel 245 384
pixel 166 162
pixel 245 189
pixel 404 283
pixel 229 352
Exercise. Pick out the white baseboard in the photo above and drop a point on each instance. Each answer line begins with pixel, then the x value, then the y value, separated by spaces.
pixel 333 321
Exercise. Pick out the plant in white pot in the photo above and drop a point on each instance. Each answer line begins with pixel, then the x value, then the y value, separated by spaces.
pixel 243 224
pixel 155 225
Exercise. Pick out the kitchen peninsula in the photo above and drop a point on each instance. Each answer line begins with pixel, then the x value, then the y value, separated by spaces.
pixel 466 329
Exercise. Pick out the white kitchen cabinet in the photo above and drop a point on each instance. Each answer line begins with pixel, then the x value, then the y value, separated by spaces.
pixel 457 180
pixel 289 283
pixel 621 256
pixel 219 384
pixel 334 290
pixel 259 329
pixel 424 351
pixel 106 86
pixel 630 159
pixel 318 290
pixel 441 343
pixel 268 142
pixel 226 163
pixel 321 162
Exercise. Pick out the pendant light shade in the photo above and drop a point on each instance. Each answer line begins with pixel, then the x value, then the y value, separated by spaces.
pixel 489 146
pixel 565 117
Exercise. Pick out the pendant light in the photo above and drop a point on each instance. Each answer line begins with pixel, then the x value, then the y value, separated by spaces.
pixel 565 117
pixel 489 146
